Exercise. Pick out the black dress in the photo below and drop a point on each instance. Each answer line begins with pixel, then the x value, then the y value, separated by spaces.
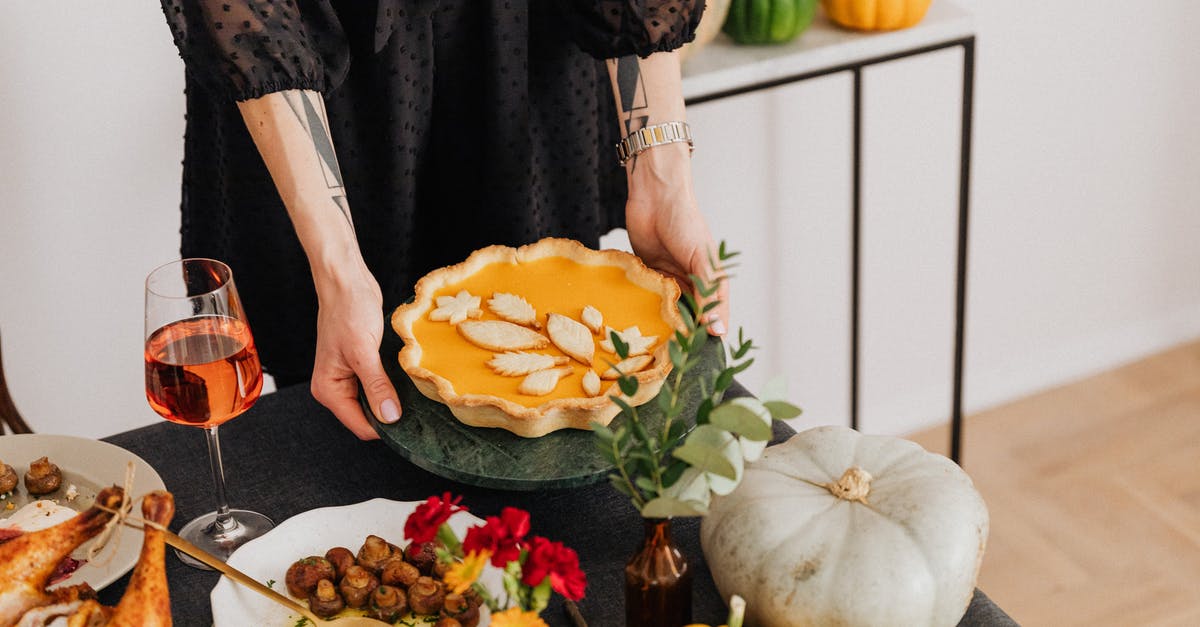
pixel 457 124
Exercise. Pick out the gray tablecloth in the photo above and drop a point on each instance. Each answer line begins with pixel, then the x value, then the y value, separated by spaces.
pixel 288 455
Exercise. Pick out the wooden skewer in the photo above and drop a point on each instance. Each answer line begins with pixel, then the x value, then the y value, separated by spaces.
pixel 238 576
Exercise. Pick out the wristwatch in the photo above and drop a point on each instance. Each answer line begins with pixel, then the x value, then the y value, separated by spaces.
pixel 644 139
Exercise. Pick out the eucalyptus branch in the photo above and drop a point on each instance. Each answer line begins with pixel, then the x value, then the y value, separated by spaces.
pixel 648 468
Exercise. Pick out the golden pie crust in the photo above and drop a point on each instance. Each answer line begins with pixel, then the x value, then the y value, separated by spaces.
pixel 556 276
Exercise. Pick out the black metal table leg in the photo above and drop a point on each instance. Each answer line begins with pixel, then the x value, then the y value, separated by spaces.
pixel 855 242
pixel 960 294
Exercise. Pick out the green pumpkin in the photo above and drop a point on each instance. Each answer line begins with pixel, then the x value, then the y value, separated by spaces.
pixel 768 21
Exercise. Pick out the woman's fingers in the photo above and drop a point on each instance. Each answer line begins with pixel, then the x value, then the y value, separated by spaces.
pixel 340 396
pixel 336 382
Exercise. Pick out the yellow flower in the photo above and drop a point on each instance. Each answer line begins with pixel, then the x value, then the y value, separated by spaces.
pixel 462 574
pixel 516 617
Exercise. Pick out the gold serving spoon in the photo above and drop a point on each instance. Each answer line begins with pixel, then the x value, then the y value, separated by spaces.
pixel 248 581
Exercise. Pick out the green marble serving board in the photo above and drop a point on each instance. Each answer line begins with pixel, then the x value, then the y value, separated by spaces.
pixel 429 436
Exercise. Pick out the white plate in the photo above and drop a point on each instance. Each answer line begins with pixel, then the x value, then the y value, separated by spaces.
pixel 313 533
pixel 90 465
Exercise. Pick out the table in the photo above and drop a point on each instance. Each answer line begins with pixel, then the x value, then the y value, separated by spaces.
pixel 722 69
pixel 288 454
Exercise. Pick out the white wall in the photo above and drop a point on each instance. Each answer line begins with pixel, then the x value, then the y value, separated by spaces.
pixel 1083 234
pixel 91 96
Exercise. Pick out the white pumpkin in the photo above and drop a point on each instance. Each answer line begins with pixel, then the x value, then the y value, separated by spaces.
pixel 834 527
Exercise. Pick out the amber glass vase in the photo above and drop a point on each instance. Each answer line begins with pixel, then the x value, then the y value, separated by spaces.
pixel 658 582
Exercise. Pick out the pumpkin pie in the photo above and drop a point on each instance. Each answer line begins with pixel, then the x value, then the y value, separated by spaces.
pixel 508 337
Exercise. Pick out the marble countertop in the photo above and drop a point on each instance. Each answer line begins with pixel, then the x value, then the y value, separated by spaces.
pixel 723 66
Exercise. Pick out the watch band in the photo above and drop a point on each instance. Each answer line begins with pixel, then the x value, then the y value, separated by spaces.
pixel 644 139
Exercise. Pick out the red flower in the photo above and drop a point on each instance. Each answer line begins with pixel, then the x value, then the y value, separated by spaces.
pixel 561 563
pixel 423 523
pixel 501 535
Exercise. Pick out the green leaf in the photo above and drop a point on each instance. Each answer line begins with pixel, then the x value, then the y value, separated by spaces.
pixel 625 407
pixel 709 306
pixel 705 288
pixel 677 430
pixel 740 368
pixel 639 431
pixel 673 472
pixel 646 484
pixel 449 539
pixel 676 353
pixel 705 457
pixel 692 488
pixel 681 339
pixel 782 410
pixel 740 419
pixel 618 482
pixel 639 455
pixel 628 385
pixel 606 451
pixel 723 380
pixel 603 433
pixel 620 346
pixel 646 467
pixel 667 507
pixel 688 319
pixel 663 400
pixel 540 597
pixel 703 411
pixel 512 579
pixel 692 306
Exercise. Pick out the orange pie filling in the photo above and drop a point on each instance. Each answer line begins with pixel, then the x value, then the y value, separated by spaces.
pixel 551 285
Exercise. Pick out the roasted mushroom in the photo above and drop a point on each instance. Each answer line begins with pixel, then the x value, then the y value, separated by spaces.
pixel 341 558
pixel 324 600
pixel 397 572
pixel 446 621
pixel 8 478
pixel 388 603
pixel 422 555
pixel 374 552
pixel 426 596
pixel 303 575
pixel 43 477
pixel 460 609
pixel 357 586
pixel 473 598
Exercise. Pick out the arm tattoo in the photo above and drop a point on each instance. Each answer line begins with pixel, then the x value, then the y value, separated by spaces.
pixel 310 110
pixel 631 94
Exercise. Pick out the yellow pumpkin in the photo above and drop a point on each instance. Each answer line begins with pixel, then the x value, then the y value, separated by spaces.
pixel 876 14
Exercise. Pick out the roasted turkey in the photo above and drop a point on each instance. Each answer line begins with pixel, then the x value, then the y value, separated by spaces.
pixel 28 561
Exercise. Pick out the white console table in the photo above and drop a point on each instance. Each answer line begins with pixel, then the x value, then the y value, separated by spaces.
pixel 722 69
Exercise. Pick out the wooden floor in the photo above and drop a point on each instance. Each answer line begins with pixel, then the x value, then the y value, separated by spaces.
pixel 1094 495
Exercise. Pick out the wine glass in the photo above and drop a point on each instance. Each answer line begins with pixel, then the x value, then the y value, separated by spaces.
pixel 202 369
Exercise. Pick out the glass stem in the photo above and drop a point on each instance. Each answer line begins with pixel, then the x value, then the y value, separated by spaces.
pixel 225 521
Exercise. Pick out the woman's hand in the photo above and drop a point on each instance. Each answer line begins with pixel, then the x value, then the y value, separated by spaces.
pixel 349 331
pixel 666 227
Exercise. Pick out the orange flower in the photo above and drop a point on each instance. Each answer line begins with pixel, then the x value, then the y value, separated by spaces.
pixel 462 574
pixel 516 617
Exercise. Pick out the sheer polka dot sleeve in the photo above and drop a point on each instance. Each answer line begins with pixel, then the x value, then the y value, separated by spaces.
pixel 616 28
pixel 244 49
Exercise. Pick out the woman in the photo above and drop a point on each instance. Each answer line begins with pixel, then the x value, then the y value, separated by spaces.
pixel 337 151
